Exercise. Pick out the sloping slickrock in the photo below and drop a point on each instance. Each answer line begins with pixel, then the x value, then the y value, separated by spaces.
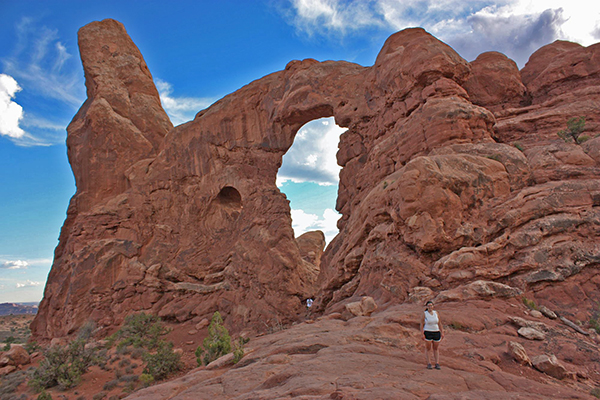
pixel 377 357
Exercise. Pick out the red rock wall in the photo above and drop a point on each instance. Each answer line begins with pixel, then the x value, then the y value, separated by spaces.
pixel 188 220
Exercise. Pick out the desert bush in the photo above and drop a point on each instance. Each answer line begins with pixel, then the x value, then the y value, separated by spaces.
pixel 110 385
pixel 9 383
pixel 575 127
pixel 137 354
pixel 595 321
pixel 595 392
pixel 63 366
pixel 44 396
pixel 124 362
pixel 139 330
pixel 87 330
pixel 129 378
pixel 216 344
pixel 8 341
pixel 32 347
pixel 146 380
pixel 163 362
pixel 238 349
pixel 529 303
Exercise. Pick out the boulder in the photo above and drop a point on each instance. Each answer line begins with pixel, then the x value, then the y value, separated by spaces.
pixel 550 365
pixel 531 333
pixel 518 353
pixel 364 307
pixel 525 323
pixel 547 312
pixel 16 356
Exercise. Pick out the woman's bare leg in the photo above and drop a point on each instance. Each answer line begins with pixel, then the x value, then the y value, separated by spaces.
pixel 436 353
pixel 428 351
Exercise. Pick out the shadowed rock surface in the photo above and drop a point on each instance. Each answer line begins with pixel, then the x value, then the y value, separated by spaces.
pixel 454 186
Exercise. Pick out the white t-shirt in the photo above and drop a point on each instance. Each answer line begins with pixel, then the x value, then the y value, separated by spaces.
pixel 431 322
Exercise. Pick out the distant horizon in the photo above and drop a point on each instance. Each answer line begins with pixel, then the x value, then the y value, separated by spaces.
pixel 198 52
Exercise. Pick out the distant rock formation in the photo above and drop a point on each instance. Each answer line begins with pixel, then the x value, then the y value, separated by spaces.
pixel 18 308
pixel 452 173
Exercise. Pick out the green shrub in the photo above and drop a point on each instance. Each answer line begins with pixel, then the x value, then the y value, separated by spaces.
pixel 32 347
pixel 8 341
pixel 216 344
pixel 63 366
pixel 238 349
pixel 595 321
pixel 163 362
pixel 595 392
pixel 146 380
pixel 575 127
pixel 110 385
pixel 44 396
pixel 529 303
pixel 139 330
pixel 87 330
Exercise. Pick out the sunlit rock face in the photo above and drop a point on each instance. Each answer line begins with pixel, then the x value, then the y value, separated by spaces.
pixel 452 173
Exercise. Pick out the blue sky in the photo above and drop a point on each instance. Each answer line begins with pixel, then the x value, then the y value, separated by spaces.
pixel 199 51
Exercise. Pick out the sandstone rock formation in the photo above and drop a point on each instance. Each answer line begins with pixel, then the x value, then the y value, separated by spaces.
pixel 454 185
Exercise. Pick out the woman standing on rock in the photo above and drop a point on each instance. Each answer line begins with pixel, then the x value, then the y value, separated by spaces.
pixel 432 334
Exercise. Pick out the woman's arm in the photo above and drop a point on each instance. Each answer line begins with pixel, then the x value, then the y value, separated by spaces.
pixel 440 326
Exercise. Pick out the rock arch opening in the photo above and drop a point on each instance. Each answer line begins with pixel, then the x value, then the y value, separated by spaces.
pixel 309 177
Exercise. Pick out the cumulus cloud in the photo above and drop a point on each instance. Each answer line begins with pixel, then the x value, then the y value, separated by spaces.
pixel 514 35
pixel 16 264
pixel 28 283
pixel 312 157
pixel 11 113
pixel 515 27
pixel 180 109
pixel 304 222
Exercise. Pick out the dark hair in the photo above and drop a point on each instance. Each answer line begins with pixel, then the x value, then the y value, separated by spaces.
pixel 428 302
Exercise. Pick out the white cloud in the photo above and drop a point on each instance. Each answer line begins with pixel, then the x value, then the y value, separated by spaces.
pixel 16 264
pixel 303 222
pixel 180 109
pixel 312 157
pixel 39 62
pixel 11 113
pixel 28 283
pixel 515 27
pixel 46 71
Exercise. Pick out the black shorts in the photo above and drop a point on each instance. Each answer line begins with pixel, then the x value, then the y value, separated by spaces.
pixel 435 336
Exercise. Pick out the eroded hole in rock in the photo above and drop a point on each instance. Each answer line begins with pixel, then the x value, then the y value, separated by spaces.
pixel 229 197
pixel 224 210
pixel 309 177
